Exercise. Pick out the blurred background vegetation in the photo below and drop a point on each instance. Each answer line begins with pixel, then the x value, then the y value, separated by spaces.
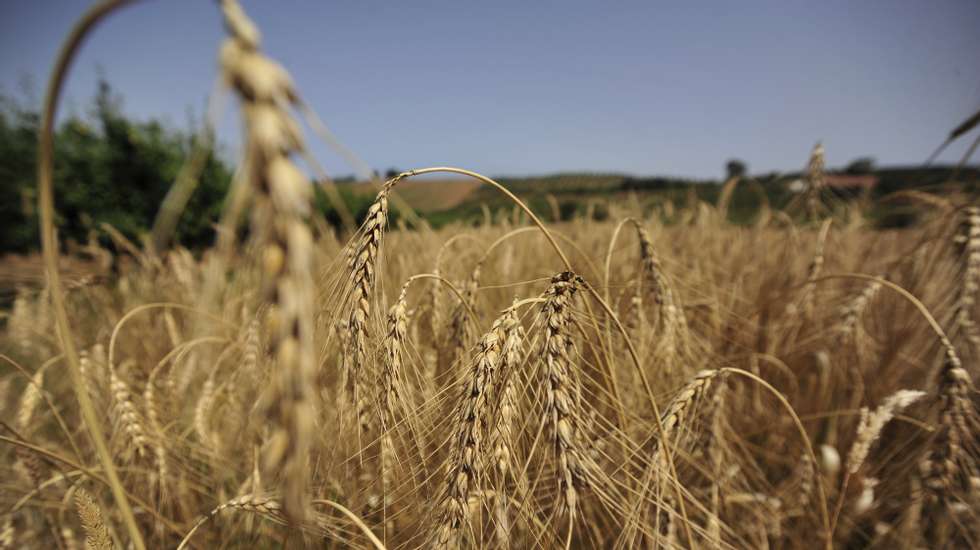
pixel 111 169
pixel 108 169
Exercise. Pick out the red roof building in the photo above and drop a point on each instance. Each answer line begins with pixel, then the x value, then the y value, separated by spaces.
pixel 849 181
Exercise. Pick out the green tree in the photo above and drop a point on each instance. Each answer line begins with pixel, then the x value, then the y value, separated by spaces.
pixel 18 147
pixel 735 168
pixel 108 169
pixel 861 166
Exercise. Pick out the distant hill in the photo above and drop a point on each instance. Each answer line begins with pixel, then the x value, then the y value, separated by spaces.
pixel 428 195
pixel 890 178
pixel 444 200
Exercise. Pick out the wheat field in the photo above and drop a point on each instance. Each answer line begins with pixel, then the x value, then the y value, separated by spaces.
pixel 662 378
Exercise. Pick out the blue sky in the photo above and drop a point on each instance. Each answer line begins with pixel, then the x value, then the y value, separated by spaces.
pixel 513 87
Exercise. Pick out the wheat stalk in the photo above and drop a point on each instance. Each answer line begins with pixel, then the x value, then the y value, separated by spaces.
pixel 948 468
pixel 266 506
pixel 473 422
pixel 871 424
pixel 698 388
pixel 562 397
pixel 671 320
pixel 390 374
pixel 282 204
pixel 129 416
pixel 815 181
pixel 968 241
pixel 362 277
pixel 851 311
pixel 814 270
pixel 96 533
pixel 508 421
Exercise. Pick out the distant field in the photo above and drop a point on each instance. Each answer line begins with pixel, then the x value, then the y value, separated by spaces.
pixel 28 271
pixel 464 196
pixel 429 195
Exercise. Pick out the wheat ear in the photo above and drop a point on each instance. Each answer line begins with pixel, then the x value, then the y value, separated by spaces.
pixel 265 506
pixel 951 462
pixel 815 181
pixel 362 263
pixel 29 400
pixel 670 319
pixel 282 205
pixel 473 424
pixel 129 417
pixel 871 424
pixel 851 311
pixel 968 242
pixel 390 374
pixel 563 396
pixel 508 421
pixel 698 388
pixel 96 533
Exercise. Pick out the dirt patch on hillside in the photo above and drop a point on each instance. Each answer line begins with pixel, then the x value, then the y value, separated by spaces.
pixel 429 195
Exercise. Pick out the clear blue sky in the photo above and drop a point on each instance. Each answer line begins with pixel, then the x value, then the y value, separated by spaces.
pixel 514 87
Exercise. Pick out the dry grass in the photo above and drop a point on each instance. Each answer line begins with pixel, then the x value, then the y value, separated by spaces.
pixel 509 385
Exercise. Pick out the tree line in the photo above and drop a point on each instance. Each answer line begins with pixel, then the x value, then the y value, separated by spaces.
pixel 113 169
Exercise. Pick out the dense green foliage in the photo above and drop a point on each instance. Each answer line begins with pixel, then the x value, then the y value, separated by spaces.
pixel 108 169
pixel 111 169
